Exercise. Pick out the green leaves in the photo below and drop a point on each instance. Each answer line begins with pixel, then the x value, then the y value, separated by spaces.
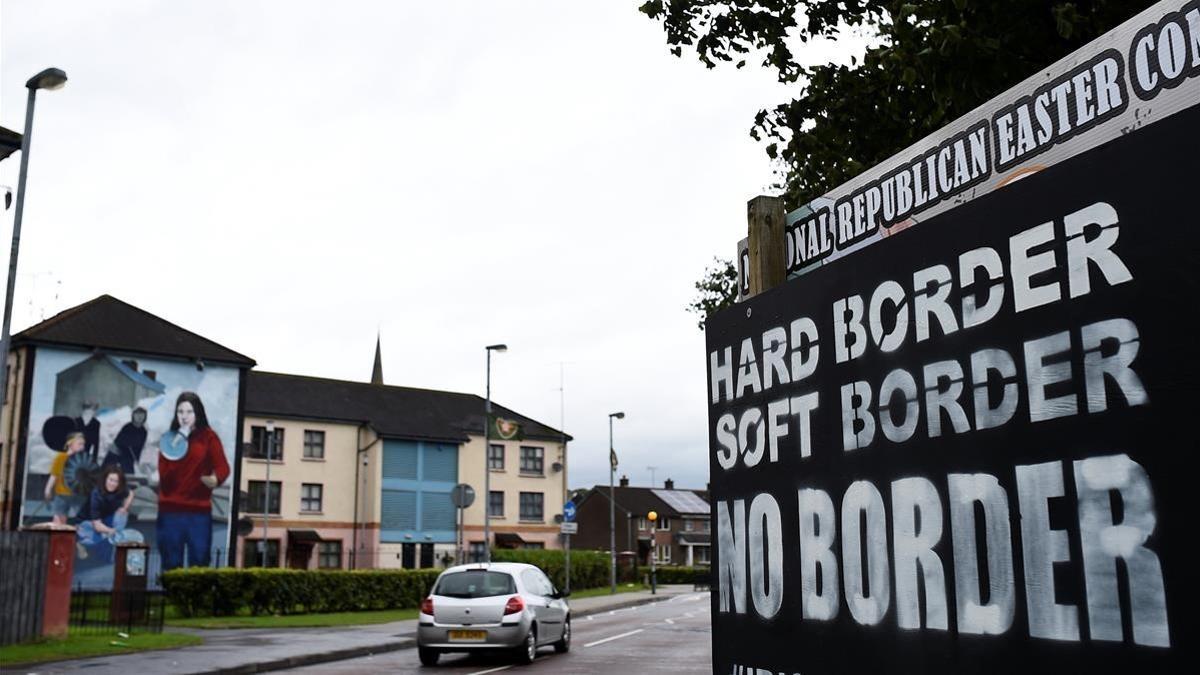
pixel 930 62
pixel 717 290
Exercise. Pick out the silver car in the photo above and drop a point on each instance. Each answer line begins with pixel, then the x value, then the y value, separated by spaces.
pixel 493 606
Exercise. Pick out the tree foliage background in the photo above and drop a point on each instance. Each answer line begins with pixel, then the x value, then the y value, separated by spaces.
pixel 931 62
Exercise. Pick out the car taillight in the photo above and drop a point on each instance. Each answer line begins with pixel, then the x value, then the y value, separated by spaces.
pixel 514 605
pixel 427 606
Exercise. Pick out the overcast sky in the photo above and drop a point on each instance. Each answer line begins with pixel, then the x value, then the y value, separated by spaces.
pixel 287 178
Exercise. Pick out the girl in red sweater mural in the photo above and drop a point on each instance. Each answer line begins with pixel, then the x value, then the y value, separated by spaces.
pixel 191 463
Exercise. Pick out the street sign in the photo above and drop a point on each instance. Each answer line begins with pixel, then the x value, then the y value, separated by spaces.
pixel 569 528
pixel 569 511
pixel 462 496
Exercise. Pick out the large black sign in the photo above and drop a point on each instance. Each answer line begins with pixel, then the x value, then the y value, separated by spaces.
pixel 969 449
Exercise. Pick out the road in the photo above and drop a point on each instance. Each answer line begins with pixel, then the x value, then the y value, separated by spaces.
pixel 671 636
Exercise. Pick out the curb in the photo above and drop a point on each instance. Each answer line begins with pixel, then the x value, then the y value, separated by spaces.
pixel 313 659
pixel 382 648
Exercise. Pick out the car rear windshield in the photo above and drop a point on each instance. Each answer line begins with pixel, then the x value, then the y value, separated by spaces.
pixel 475 584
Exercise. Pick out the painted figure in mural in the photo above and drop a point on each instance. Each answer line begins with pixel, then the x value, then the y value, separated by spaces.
pixel 89 426
pixel 191 463
pixel 108 514
pixel 131 439
pixel 57 492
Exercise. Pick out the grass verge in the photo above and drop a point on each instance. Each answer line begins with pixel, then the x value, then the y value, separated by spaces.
pixel 604 590
pixel 82 646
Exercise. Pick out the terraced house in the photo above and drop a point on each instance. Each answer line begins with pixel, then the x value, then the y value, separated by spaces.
pixel 361 475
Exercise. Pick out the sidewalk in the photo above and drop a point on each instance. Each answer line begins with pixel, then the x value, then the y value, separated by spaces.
pixel 259 650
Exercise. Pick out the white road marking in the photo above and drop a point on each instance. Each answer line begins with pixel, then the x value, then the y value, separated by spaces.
pixel 610 639
pixel 492 670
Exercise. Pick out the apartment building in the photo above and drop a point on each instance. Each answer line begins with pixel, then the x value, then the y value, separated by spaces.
pixel 361 475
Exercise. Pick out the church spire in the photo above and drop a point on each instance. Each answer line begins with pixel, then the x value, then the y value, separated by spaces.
pixel 377 371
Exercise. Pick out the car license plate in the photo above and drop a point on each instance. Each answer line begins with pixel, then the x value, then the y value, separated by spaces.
pixel 468 635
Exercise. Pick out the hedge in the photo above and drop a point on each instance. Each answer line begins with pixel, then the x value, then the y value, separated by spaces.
pixel 203 591
pixel 678 574
pixel 589 569
pixel 224 591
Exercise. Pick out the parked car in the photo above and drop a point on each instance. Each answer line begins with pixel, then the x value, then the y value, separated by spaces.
pixel 493 606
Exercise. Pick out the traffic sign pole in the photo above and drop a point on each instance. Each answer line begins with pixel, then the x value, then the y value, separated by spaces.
pixel 568 517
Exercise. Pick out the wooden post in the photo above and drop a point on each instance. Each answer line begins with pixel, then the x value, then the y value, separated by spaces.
pixel 765 219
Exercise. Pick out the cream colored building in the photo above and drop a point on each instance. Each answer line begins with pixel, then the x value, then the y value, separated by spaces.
pixel 528 486
pixel 362 473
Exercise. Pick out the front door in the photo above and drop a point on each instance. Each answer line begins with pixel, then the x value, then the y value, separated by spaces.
pixel 299 556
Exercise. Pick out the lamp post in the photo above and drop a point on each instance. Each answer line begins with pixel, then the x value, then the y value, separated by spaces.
pixel 270 442
pixel 612 504
pixel 487 443
pixel 653 518
pixel 49 79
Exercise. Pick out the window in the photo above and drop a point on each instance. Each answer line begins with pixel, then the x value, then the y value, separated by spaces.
pixel 700 554
pixel 704 526
pixel 257 492
pixel 662 553
pixel 426 556
pixel 664 524
pixel 643 524
pixel 476 551
pixel 496 457
pixel 260 440
pixel 470 584
pixel 252 553
pixel 496 504
pixel 329 555
pixel 532 459
pixel 531 506
pixel 688 525
pixel 314 444
pixel 310 497
pixel 533 545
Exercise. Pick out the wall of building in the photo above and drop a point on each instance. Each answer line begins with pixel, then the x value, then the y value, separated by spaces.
pixel 551 484
pixel 335 473
pixel 10 471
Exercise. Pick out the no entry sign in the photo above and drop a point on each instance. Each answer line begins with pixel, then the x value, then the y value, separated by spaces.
pixel 969 449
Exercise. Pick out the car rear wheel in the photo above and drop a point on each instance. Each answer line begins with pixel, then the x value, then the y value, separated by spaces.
pixel 564 644
pixel 528 651
pixel 429 657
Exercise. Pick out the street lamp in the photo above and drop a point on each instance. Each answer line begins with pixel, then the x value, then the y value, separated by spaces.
pixel 270 442
pixel 653 518
pixel 50 78
pixel 487 442
pixel 612 504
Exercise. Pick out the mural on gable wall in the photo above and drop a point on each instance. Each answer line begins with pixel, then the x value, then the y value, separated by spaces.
pixel 128 448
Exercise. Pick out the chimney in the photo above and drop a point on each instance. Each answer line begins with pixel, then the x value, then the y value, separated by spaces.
pixel 669 484
pixel 624 481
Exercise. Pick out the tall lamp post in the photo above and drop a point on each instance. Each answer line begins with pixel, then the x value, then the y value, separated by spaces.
pixel 50 79
pixel 653 518
pixel 612 504
pixel 487 444
pixel 270 442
